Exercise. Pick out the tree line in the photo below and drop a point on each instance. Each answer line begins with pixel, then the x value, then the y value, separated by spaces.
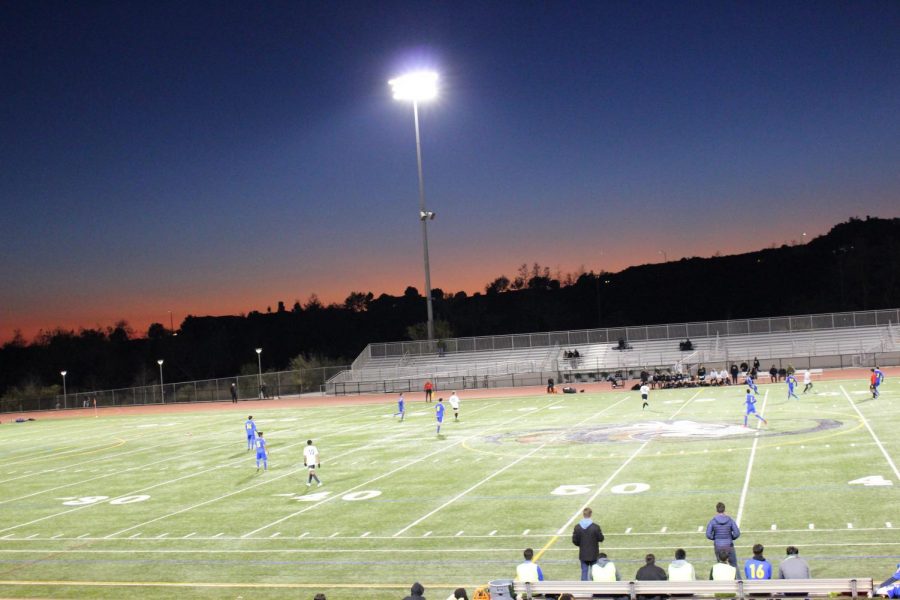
pixel 852 267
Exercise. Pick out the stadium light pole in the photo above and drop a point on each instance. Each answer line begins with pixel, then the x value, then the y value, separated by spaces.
pixel 162 392
pixel 664 255
pixel 417 87
pixel 63 373
pixel 259 372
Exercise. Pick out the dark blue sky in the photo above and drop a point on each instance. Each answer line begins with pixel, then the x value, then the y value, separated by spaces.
pixel 214 158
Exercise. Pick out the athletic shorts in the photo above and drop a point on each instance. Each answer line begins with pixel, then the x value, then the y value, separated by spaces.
pixel 643 396
pixel 260 456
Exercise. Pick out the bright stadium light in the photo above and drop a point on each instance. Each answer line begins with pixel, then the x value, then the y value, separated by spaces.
pixel 417 87
pixel 63 373
pixel 259 371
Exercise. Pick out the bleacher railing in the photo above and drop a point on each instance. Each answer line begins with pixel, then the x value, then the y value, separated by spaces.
pixel 680 331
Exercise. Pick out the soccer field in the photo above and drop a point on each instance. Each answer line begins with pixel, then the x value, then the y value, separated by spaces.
pixel 169 506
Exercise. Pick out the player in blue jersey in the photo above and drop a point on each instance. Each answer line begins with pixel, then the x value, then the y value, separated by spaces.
pixel 262 453
pixel 439 414
pixel 877 379
pixel 250 428
pixel 791 382
pixel 401 407
pixel 750 383
pixel 758 567
pixel 750 401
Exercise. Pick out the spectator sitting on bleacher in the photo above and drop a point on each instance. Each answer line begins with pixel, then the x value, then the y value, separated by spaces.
pixel 758 567
pixel 773 374
pixel 722 570
pixel 680 569
pixel 528 571
pixel 701 373
pixel 793 567
pixel 458 594
pixel 416 592
pixel 604 569
pixel 650 572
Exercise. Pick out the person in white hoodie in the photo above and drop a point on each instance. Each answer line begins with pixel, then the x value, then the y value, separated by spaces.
pixel 604 570
pixel 680 569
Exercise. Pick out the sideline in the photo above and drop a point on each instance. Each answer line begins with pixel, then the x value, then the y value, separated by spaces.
pixel 872 433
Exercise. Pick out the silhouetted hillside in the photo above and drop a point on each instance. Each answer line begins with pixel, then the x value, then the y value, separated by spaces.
pixel 855 266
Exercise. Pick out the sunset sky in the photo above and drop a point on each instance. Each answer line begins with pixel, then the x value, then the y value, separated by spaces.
pixel 213 158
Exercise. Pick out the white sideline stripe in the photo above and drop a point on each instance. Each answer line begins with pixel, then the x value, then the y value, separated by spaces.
pixel 503 469
pixel 617 471
pixel 264 482
pixel 740 511
pixel 389 473
pixel 872 433
pixel 483 536
pixel 375 550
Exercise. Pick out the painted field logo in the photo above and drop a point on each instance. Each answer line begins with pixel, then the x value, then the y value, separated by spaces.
pixel 650 430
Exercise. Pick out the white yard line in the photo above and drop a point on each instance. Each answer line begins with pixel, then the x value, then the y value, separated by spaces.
pixel 391 472
pixel 250 487
pixel 503 469
pixel 741 503
pixel 865 421
pixel 617 471
pixel 112 474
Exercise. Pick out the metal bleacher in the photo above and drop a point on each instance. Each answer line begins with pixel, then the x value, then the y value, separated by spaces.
pixel 833 340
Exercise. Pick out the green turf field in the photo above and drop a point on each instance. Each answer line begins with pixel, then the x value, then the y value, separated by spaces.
pixel 174 501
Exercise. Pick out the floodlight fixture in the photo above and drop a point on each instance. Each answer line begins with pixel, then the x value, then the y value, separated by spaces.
pixel 417 86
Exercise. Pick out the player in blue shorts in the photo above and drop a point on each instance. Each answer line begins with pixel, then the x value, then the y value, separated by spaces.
pixel 262 454
pixel 877 379
pixel 439 414
pixel 401 407
pixel 750 401
pixel 791 382
pixel 752 384
pixel 250 428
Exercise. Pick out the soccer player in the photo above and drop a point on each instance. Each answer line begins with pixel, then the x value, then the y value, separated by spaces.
pixel 807 381
pixel 791 382
pixel 752 384
pixel 877 379
pixel 645 392
pixel 454 404
pixel 750 401
pixel 401 407
pixel 262 454
pixel 311 460
pixel 439 414
pixel 758 567
pixel 250 427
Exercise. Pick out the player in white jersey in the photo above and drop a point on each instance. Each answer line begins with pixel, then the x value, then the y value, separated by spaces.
pixel 454 404
pixel 645 393
pixel 311 460
pixel 807 381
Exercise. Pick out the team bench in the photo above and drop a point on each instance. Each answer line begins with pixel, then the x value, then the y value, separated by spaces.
pixel 738 589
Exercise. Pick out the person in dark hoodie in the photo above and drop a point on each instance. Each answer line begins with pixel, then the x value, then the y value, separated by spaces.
pixel 587 536
pixel 722 530
pixel 416 592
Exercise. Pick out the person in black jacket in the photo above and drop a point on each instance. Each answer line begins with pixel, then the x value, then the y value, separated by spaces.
pixel 650 572
pixel 587 536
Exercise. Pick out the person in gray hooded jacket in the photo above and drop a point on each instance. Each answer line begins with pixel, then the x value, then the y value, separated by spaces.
pixel 722 530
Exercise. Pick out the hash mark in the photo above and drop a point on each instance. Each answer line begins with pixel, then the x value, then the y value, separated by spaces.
pixel 458 533
pixel 305 533
pixel 426 534
pixel 131 537
pixel 663 530
pixel 888 525
pixel 526 532
pixel 162 535
pixel 334 534
pixel 849 525
pixel 774 527
pixel 189 535
pixel 366 534
pixel 219 534
pixel 627 531
pixel 275 535
pixel 812 525
pixel 83 535
pixel 493 532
